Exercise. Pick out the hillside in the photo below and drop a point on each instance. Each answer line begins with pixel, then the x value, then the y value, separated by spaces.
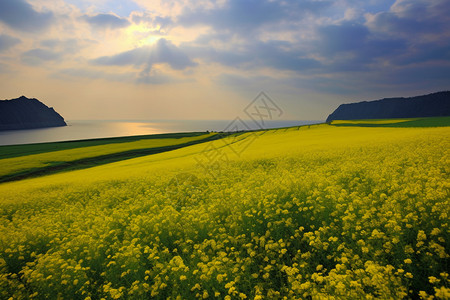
pixel 432 105
pixel 25 113
pixel 23 161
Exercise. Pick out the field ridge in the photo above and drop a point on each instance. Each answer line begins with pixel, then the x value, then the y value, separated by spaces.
pixel 92 161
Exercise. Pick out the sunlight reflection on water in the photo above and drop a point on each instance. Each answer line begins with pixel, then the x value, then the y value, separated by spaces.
pixel 77 130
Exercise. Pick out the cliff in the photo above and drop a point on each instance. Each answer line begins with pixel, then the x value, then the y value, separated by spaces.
pixel 432 105
pixel 25 113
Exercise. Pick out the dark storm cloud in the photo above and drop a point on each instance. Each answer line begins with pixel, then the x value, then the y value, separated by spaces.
pixel 7 42
pixel 20 15
pixel 162 52
pixel 107 21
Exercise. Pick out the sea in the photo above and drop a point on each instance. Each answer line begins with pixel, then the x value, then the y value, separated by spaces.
pixel 91 129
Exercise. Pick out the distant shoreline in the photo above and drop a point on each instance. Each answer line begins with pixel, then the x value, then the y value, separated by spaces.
pixel 100 129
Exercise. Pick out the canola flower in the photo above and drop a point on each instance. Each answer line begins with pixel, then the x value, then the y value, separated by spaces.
pixel 324 213
pixel 17 164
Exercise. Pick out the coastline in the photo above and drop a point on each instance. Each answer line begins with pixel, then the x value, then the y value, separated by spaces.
pixel 79 130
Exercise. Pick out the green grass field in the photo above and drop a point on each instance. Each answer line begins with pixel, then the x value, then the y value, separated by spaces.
pixel 414 122
pixel 310 212
pixel 23 161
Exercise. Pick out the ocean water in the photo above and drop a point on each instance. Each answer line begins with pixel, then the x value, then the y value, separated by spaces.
pixel 80 130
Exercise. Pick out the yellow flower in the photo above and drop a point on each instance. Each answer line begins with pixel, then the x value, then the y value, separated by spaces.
pixel 433 280
pixel 442 292
pixel 423 294
pixel 435 231
pixel 421 236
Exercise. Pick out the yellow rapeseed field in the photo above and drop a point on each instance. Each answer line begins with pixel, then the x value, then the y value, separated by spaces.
pixel 40 160
pixel 319 212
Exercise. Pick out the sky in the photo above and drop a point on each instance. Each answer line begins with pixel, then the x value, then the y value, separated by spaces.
pixel 208 59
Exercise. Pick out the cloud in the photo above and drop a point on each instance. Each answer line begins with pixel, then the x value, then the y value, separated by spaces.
pixel 155 20
pixel 239 31
pixel 421 9
pixel 343 47
pixel 4 68
pixel 154 77
pixel 251 54
pixel 422 25
pixel 151 78
pixel 162 52
pixel 54 50
pixel 120 7
pixel 237 81
pixel 425 53
pixel 413 18
pixel 342 38
pixel 66 46
pixel 244 16
pixel 39 56
pixel 349 46
pixel 20 15
pixel 7 42
pixel 106 21
pixel 69 44
pixel 418 76
pixel 281 55
pixel 70 73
